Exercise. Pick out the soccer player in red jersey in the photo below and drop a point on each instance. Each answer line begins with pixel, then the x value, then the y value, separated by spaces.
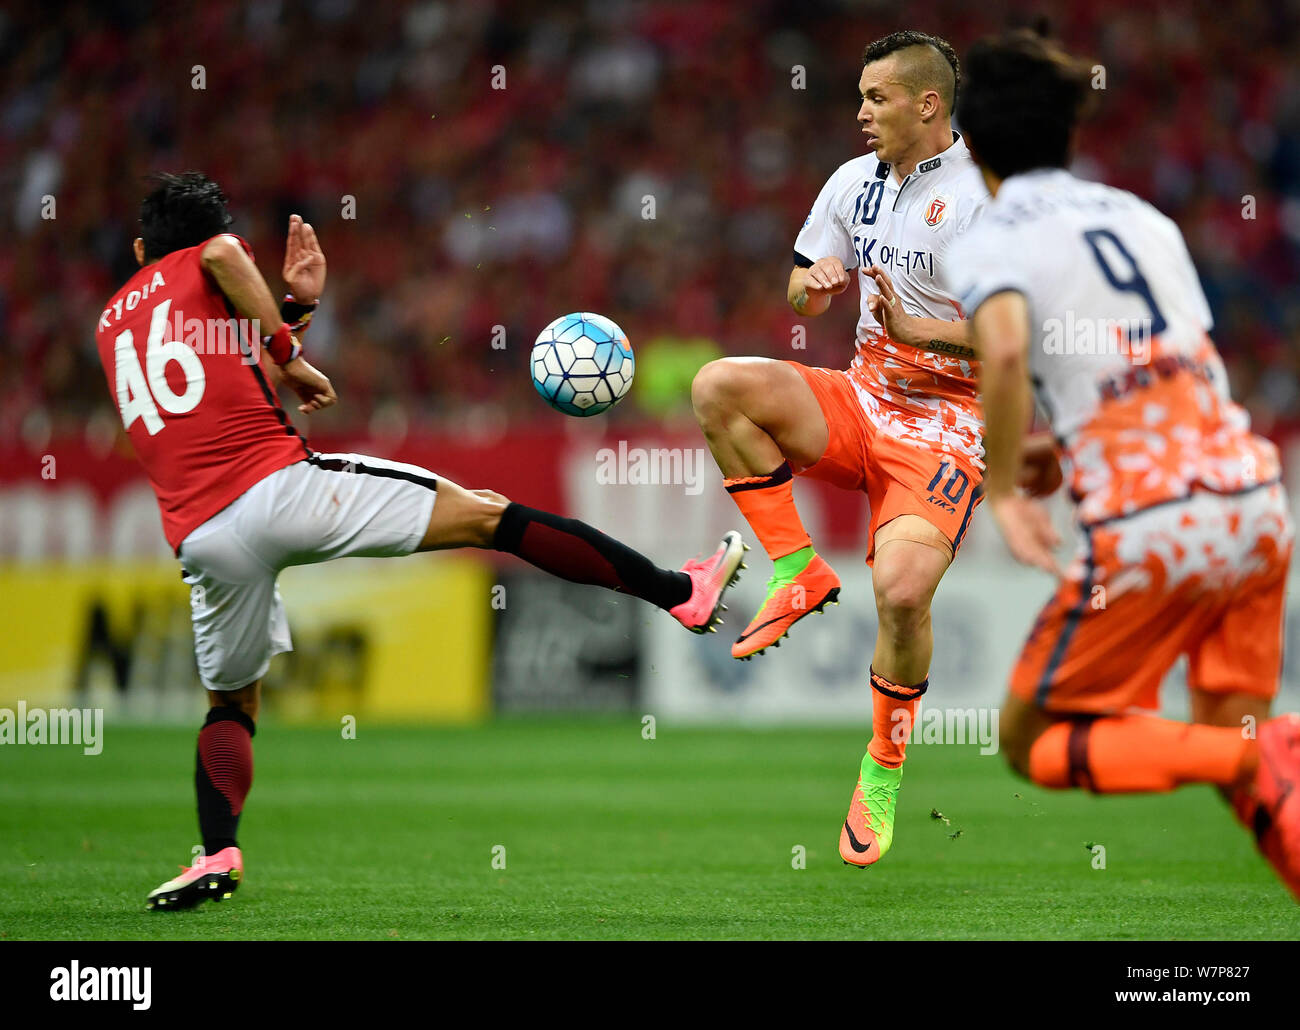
pixel 243 496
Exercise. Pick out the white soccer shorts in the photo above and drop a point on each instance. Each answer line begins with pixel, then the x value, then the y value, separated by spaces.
pixel 327 506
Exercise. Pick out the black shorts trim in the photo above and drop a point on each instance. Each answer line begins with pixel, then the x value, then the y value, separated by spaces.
pixel 360 468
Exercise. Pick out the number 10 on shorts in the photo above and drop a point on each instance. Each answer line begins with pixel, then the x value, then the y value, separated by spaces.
pixel 954 487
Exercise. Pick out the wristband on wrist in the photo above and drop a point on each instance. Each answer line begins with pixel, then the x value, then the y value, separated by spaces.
pixel 297 314
pixel 281 345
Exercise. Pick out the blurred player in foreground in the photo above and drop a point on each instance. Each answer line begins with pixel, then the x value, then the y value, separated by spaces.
pixel 1089 293
pixel 901 424
pixel 243 496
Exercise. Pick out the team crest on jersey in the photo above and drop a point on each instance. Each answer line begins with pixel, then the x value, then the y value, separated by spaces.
pixel 935 211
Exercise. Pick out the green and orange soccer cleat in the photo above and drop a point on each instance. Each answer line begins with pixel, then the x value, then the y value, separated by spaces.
pixel 869 829
pixel 788 601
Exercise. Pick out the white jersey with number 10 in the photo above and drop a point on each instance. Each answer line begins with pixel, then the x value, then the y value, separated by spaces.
pixel 864 217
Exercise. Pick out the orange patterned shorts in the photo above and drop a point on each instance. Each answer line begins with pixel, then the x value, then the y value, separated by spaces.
pixel 899 477
pixel 1203 577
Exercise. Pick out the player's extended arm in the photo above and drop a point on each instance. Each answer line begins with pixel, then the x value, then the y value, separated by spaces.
pixel 1001 336
pixel 810 289
pixel 227 262
pixel 238 278
pixel 1001 327
pixel 932 334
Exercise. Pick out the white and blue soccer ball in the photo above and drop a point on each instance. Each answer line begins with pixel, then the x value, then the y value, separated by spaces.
pixel 582 364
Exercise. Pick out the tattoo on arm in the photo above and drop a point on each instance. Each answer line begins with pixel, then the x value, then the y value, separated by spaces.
pixel 955 349
pixel 801 299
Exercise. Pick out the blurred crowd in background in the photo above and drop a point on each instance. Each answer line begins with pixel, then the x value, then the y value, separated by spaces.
pixel 475 207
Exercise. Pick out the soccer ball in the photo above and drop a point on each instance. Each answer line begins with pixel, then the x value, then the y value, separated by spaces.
pixel 582 364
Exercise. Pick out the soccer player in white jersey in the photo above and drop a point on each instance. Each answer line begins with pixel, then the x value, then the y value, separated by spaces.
pixel 901 424
pixel 1088 293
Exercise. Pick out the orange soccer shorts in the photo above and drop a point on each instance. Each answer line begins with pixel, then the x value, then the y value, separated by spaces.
pixel 899 477
pixel 1204 576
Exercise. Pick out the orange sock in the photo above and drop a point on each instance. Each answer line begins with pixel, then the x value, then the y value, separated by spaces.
pixel 767 502
pixel 1139 753
pixel 893 710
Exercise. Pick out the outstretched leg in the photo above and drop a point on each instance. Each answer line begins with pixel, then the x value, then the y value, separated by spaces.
pixel 340 505
pixel 573 550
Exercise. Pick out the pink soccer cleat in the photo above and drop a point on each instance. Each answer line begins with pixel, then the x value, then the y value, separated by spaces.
pixel 212 876
pixel 709 581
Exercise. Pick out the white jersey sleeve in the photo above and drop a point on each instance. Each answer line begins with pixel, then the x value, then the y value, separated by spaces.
pixel 824 234
pixel 985 263
pixel 973 206
pixel 1183 269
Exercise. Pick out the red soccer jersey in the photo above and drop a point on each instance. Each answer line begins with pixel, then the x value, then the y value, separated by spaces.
pixel 199 411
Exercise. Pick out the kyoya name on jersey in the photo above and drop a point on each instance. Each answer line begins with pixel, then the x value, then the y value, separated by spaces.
pixel 865 217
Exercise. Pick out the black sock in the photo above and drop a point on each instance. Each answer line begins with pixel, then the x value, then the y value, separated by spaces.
pixel 575 551
pixel 223 774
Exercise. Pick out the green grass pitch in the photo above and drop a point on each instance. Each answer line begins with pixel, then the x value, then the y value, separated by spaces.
pixel 608 835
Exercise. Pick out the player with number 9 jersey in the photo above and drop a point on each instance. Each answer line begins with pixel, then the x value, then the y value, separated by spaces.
pixel 1120 358
pixel 1088 294
pixel 1180 505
